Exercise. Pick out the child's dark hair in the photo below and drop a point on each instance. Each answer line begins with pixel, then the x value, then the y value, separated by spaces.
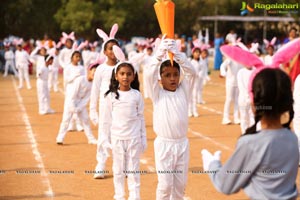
pixel 75 52
pixel 111 41
pixel 272 96
pixel 114 84
pixel 167 63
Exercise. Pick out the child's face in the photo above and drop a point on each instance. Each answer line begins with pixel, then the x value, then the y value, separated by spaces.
pixel 91 74
pixel 69 43
pixel 196 54
pixel 42 51
pixel 204 54
pixel 124 76
pixel 109 51
pixel 76 58
pixel 270 50
pixel 170 78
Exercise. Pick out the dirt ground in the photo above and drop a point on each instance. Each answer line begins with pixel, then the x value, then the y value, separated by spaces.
pixel 33 166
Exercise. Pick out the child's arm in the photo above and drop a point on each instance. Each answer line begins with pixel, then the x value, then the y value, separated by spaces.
pixel 105 134
pixel 143 127
pixel 223 67
pixel 95 96
pixel 153 76
pixel 236 173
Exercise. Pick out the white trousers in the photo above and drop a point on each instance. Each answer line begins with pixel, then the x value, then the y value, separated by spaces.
pixel 126 161
pixel 43 96
pixel 171 161
pixel 246 115
pixel 10 64
pixel 101 156
pixel 23 74
pixel 53 79
pixel 83 116
pixel 196 95
pixel 232 93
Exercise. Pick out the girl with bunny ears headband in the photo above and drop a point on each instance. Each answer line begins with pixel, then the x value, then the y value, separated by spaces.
pixel 124 75
pixel 106 38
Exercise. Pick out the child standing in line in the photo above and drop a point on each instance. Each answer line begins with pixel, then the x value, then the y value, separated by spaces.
pixel 244 102
pixel 77 97
pixel 54 68
pixel 195 61
pixel 229 69
pixel 170 119
pixel 265 162
pixel 270 50
pixel 9 60
pixel 64 59
pixel 296 122
pixel 124 123
pixel 203 75
pixel 22 62
pixel 100 86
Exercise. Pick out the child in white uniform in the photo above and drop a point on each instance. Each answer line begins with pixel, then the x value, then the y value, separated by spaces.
pixel 53 70
pixel 246 114
pixel 77 97
pixel 124 123
pixel 9 61
pixel 229 69
pixel 42 86
pixel 270 50
pixel 100 86
pixel 170 120
pixel 22 62
pixel 264 163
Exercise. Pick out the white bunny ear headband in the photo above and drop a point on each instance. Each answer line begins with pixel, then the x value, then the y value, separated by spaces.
pixel 270 43
pixel 40 45
pixel 105 37
pixel 66 36
pixel 121 57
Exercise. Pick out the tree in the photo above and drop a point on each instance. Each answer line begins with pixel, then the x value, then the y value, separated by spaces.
pixel 75 15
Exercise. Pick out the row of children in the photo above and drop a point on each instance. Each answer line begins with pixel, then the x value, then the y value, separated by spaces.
pixel 121 127
pixel 116 105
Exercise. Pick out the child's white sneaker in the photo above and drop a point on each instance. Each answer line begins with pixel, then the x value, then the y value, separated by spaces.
pixel 93 141
pixel 226 121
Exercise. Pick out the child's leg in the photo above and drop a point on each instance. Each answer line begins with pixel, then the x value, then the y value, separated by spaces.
pixel 133 153
pixel 39 88
pixel 6 68
pixel 243 116
pixel 13 67
pixel 118 168
pixel 200 89
pixel 55 80
pixel 228 100
pixel 236 105
pixel 181 169
pixel 164 162
pixel 26 76
pixel 84 118
pixel 21 75
pixel 64 125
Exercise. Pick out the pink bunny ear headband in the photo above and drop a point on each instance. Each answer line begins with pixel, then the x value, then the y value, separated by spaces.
pixel 121 57
pixel 283 55
pixel 66 36
pixel 18 42
pixel 44 45
pixel 270 43
pixel 101 59
pixel 105 37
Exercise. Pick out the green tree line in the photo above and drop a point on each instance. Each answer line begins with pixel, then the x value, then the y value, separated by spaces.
pixel 34 18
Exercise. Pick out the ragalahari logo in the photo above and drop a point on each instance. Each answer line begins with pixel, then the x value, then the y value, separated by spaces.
pixel 246 8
